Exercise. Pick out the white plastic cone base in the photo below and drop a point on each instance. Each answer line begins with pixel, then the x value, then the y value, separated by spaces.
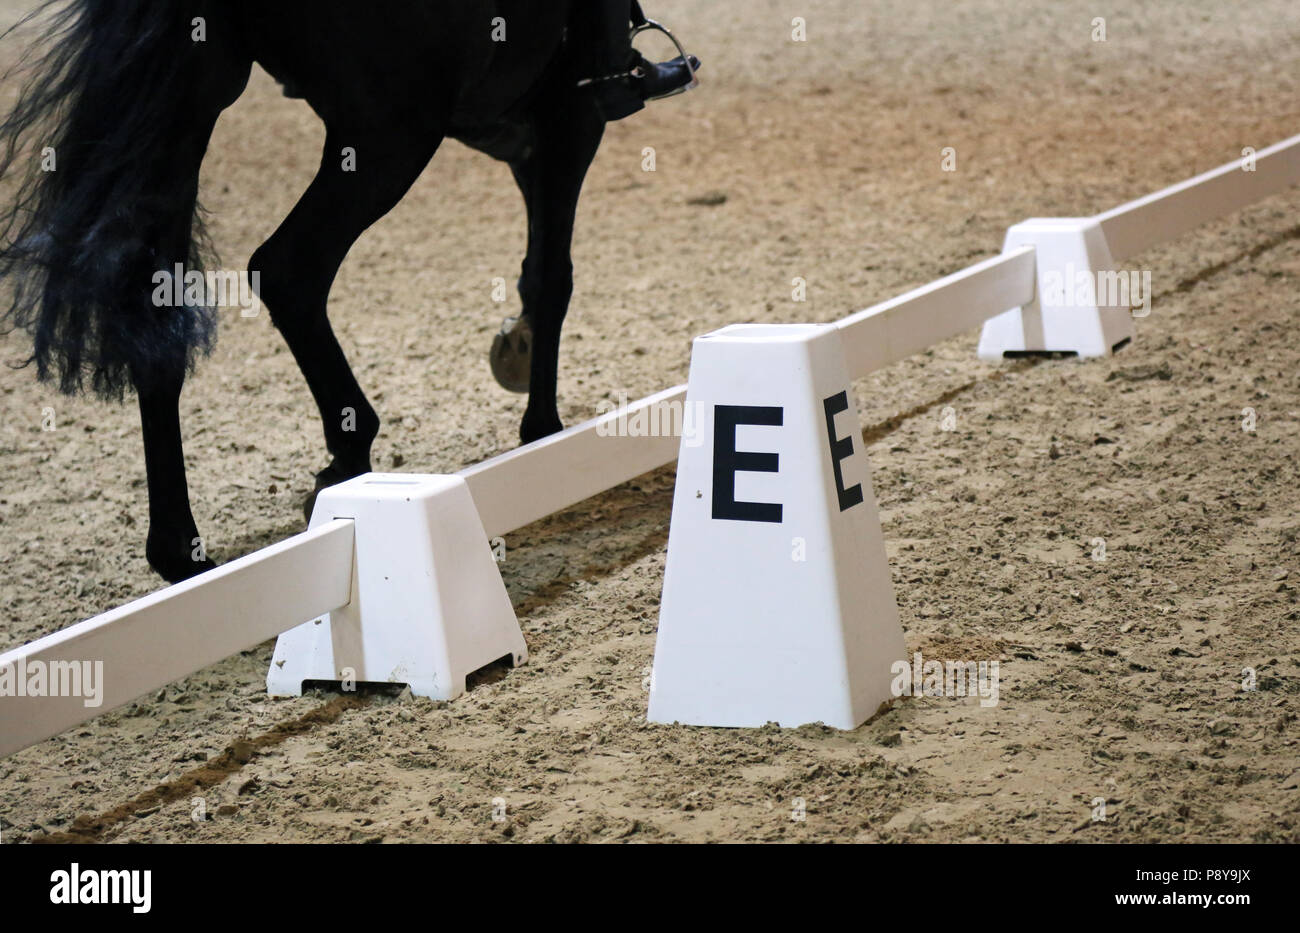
pixel 428 605
pixel 1060 320
pixel 787 618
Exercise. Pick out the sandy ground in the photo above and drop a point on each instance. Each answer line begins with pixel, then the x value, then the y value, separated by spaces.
pixel 1120 679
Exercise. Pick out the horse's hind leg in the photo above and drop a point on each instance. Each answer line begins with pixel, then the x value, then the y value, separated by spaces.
pixel 173 546
pixel 551 180
pixel 296 268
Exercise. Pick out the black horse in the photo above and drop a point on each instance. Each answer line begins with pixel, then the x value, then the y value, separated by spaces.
pixel 128 94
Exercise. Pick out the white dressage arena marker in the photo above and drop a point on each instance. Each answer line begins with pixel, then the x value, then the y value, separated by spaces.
pixel 777 602
pixel 166 635
pixel 1070 312
pixel 428 606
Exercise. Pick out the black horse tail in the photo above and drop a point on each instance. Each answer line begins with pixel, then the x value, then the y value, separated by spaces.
pixel 107 140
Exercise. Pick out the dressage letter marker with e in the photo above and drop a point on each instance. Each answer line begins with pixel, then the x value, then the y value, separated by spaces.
pixel 777 602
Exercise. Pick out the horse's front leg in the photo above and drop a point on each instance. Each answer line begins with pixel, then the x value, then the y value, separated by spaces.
pixel 174 548
pixel 551 180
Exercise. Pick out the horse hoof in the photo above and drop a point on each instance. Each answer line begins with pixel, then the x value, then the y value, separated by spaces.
pixel 512 354
pixel 332 475
pixel 177 564
pixel 309 504
pixel 535 427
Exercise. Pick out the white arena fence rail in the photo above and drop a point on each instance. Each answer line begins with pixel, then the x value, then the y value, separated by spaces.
pixel 1157 218
pixel 168 635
